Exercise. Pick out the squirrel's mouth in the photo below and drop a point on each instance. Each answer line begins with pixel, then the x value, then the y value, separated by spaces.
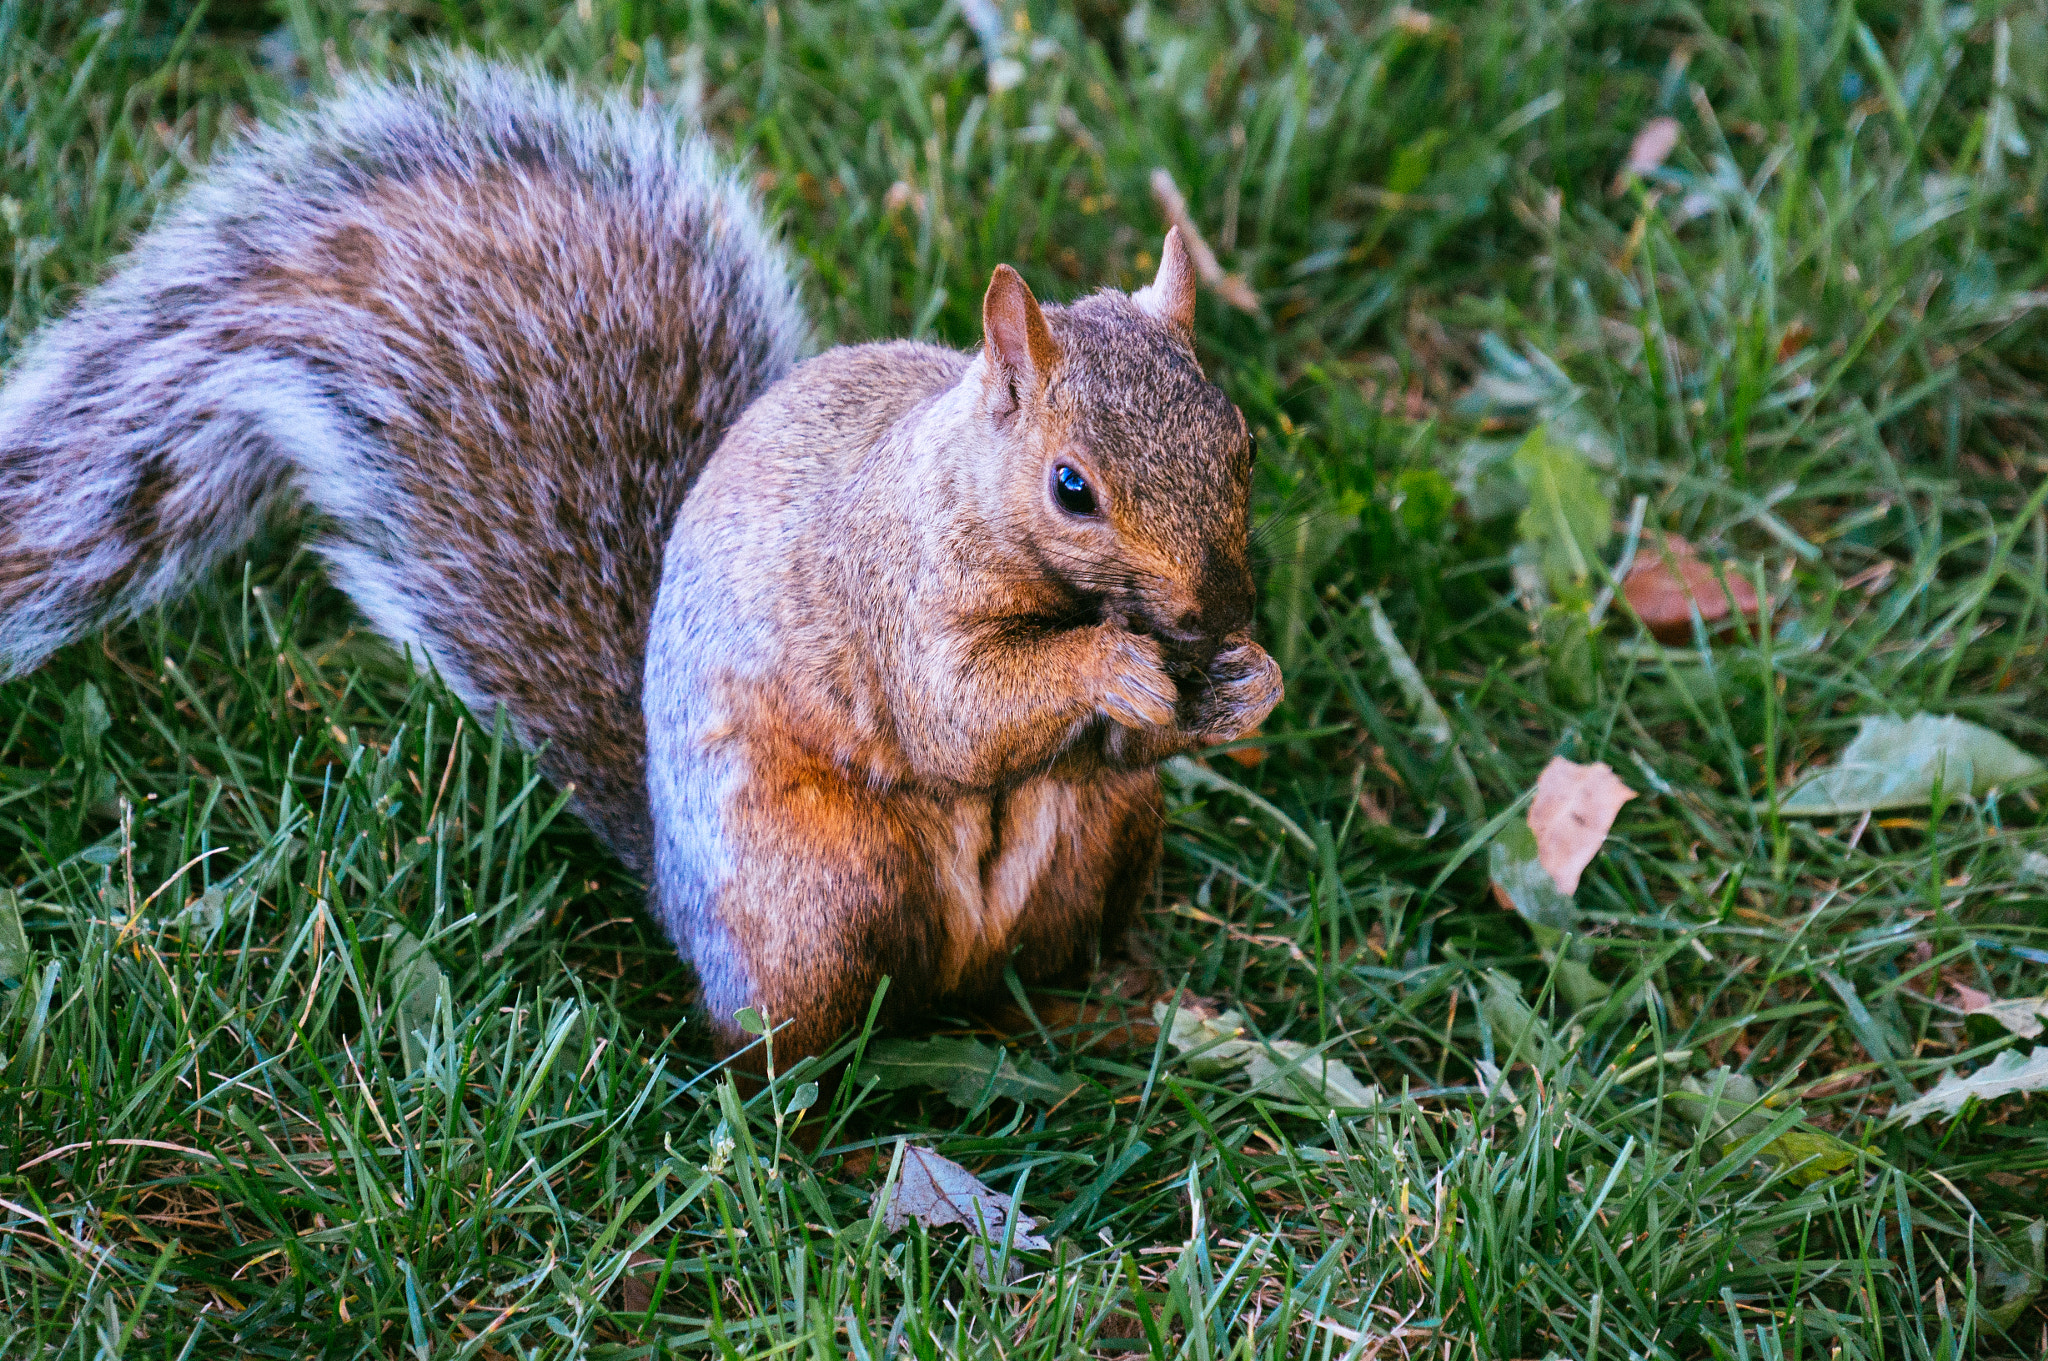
pixel 1188 656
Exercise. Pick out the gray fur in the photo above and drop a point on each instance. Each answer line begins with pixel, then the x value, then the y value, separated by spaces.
pixel 142 436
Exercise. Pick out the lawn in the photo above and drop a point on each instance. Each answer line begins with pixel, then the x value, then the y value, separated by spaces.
pixel 325 1032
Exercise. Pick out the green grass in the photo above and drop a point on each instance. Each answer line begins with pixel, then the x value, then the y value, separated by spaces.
pixel 337 1038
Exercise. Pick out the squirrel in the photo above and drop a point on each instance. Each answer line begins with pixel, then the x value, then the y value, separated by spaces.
pixel 865 662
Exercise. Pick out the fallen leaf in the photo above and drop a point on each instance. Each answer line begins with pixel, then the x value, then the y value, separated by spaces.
pixel 1573 809
pixel 1730 1108
pixel 2020 1284
pixel 1654 142
pixel 417 985
pixel 1517 1029
pixel 2021 1015
pixel 636 1287
pixel 1794 340
pixel 1568 820
pixel 2004 1075
pixel 1288 1069
pixel 1809 1155
pixel 15 955
pixel 1246 756
pixel 1514 864
pixel 969 1072
pixel 1295 1072
pixel 1895 763
pixel 1665 588
pixel 1568 519
pixel 937 1191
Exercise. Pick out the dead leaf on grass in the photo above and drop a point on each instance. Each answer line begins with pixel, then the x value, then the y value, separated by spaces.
pixel 1664 593
pixel 1654 142
pixel 1573 810
pixel 1286 1069
pixel 1247 757
pixel 1794 339
pixel 2021 1015
pixel 937 1191
pixel 1896 763
pixel 636 1287
pixel 2004 1075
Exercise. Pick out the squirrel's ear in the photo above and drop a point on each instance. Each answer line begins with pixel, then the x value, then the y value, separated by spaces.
pixel 1016 336
pixel 1171 294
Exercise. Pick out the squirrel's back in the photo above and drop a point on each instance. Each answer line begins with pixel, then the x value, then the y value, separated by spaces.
pixel 490 330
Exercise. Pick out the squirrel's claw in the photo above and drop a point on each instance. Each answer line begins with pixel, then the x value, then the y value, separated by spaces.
pixel 1245 686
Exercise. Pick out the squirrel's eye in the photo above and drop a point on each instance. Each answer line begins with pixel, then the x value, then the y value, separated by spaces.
pixel 1071 490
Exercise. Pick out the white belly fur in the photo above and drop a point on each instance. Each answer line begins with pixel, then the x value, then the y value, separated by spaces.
pixel 980 909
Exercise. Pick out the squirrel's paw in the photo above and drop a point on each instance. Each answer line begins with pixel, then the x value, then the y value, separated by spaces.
pixel 1133 688
pixel 1244 686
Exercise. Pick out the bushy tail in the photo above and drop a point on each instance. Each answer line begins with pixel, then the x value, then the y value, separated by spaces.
pixel 489 330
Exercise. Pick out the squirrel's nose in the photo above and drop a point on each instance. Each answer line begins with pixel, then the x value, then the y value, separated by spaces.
pixel 1223 597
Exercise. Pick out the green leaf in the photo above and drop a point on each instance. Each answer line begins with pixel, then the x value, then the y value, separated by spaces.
pixel 1729 1101
pixel 85 721
pixel 1518 1032
pixel 1729 1107
pixel 1811 1155
pixel 1287 1069
pixel 1516 870
pixel 1566 635
pixel 417 985
pixel 1568 518
pixel 1294 1072
pixel 1412 162
pixel 2004 1075
pixel 15 955
pixel 969 1072
pixel 1425 498
pixel 749 1020
pixel 1896 762
pixel 2021 1284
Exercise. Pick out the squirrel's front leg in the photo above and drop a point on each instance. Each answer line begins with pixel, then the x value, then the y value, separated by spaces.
pixel 1024 695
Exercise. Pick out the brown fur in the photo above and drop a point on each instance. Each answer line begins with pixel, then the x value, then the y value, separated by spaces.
pixel 939 744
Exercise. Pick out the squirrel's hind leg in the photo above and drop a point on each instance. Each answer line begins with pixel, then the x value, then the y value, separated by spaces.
pixel 836 887
pixel 828 893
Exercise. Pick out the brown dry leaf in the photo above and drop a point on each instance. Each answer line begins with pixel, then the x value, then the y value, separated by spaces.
pixel 636 1287
pixel 1247 757
pixel 1573 808
pixel 1664 595
pixel 1656 140
pixel 1794 340
pixel 2021 1015
pixel 937 1191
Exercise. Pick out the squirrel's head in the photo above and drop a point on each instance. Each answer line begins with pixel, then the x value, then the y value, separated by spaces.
pixel 1126 474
